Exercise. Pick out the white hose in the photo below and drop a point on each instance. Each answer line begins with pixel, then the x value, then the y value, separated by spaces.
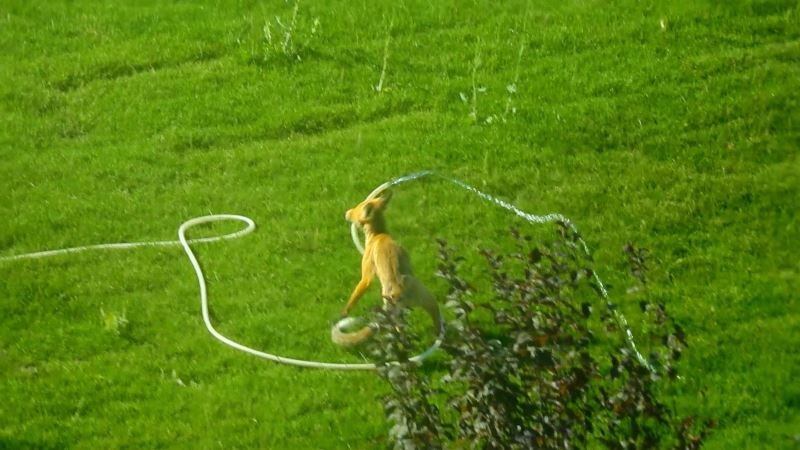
pixel 185 243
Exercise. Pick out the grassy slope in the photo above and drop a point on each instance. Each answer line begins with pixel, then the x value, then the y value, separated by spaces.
pixel 672 126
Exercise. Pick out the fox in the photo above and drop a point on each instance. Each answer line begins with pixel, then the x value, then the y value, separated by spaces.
pixel 383 257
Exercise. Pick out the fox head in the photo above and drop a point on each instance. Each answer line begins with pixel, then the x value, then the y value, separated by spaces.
pixel 369 211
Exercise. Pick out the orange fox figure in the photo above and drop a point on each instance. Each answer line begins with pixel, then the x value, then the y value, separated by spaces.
pixel 384 257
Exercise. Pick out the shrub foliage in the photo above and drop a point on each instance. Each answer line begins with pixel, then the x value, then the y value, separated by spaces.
pixel 540 361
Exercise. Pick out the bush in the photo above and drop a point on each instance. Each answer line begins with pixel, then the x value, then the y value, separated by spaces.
pixel 539 362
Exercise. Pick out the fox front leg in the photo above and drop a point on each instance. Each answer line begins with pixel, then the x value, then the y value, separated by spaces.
pixel 367 272
pixel 361 287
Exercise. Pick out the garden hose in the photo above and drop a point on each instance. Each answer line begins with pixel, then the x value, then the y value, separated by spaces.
pixel 250 227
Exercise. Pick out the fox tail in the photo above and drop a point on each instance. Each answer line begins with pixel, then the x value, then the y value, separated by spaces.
pixel 350 339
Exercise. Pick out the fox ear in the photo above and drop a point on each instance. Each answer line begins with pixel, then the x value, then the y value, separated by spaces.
pixel 384 197
pixel 366 211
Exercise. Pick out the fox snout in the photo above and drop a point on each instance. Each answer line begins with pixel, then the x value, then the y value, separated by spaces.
pixel 356 214
pixel 369 210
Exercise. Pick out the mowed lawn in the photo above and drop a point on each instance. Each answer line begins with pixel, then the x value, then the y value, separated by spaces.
pixel 673 125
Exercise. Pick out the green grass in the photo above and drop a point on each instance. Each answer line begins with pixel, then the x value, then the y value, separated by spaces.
pixel 674 125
